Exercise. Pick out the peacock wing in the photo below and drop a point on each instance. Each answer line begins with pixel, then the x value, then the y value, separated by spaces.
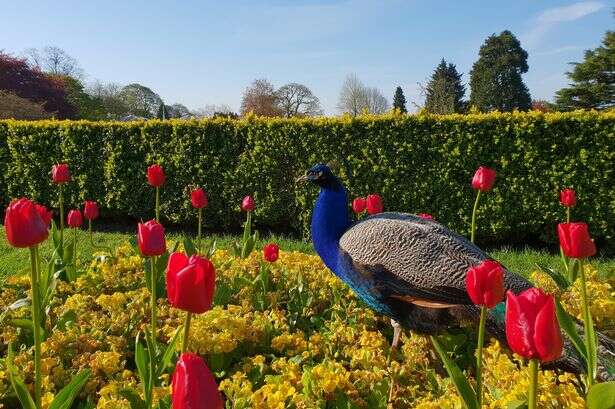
pixel 411 258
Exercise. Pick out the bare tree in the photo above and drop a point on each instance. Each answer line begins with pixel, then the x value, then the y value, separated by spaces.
pixel 54 60
pixel 352 96
pixel 297 100
pixel 109 96
pixel 260 98
pixel 375 102
pixel 355 98
pixel 209 110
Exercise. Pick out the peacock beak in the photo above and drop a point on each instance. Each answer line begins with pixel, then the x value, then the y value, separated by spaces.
pixel 302 179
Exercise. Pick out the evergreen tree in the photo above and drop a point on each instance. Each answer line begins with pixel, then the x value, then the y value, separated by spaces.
pixel 495 79
pixel 593 80
pixel 444 92
pixel 399 100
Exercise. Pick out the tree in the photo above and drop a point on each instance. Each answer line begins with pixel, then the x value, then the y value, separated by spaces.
pixel 14 107
pixel 260 98
pixel 355 98
pixel 210 110
pixel 163 111
pixel 399 100
pixel 54 60
pixel 86 106
pixel 140 100
pixel 179 111
pixel 297 100
pixel 108 95
pixel 541 105
pixel 593 80
pixel 444 92
pixel 32 84
pixel 495 79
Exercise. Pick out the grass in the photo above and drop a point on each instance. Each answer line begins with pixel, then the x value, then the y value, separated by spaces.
pixel 524 261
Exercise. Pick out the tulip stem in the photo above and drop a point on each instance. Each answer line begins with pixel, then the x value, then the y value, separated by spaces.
pixel 75 248
pixel 157 204
pixel 561 250
pixel 587 327
pixel 61 187
pixel 36 323
pixel 479 355
pixel 474 211
pixel 568 215
pixel 198 237
pixel 533 392
pixel 153 296
pixel 186 331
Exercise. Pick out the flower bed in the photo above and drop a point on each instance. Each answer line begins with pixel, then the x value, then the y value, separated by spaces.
pixel 302 341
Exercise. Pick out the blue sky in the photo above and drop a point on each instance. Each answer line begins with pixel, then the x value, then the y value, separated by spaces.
pixel 207 52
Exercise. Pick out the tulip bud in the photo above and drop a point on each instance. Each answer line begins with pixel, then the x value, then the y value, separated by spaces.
pixel 485 283
pixel 155 175
pixel 575 240
pixel 150 238
pixel 198 198
pixel 193 385
pixel 483 179
pixel 190 282
pixel 374 204
pixel 60 173
pixel 568 197
pixel 271 252
pixel 358 205
pixel 90 210
pixel 532 329
pixel 247 204
pixel 75 220
pixel 425 216
pixel 23 224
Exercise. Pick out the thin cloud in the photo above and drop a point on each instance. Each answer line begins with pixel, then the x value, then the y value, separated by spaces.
pixel 554 16
pixel 558 50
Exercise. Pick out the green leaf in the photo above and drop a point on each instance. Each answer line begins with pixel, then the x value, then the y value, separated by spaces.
pixel 569 327
pixel 167 356
pixel 559 279
pixel 136 402
pixel 189 246
pixel 142 362
pixel 461 383
pixel 164 403
pixel 67 395
pixel 18 385
pixel 517 404
pixel 68 317
pixel 601 396
pixel 574 270
pixel 592 348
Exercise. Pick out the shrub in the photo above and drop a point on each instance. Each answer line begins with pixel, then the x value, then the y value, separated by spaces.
pixel 418 163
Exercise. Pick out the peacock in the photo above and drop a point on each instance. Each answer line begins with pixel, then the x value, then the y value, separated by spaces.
pixel 409 268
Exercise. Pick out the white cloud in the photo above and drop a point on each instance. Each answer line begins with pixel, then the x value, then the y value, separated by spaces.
pixel 558 50
pixel 549 18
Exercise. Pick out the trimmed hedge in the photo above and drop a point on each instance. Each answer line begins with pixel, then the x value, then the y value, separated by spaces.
pixel 418 163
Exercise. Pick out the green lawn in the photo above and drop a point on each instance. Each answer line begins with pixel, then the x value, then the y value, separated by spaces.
pixel 524 261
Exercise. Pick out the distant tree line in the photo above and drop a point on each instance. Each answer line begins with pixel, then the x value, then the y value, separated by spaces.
pixel 49 83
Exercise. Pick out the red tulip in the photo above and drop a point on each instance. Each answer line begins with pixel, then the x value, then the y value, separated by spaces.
pixel 150 238
pixel 60 173
pixel 485 283
pixel 575 240
pixel 90 210
pixel 75 220
pixel 271 252
pixel 483 179
pixel 426 216
pixel 45 213
pixel 193 385
pixel 374 204
pixel 198 198
pixel 190 282
pixel 155 175
pixel 359 204
pixel 23 224
pixel 247 204
pixel 568 197
pixel 532 329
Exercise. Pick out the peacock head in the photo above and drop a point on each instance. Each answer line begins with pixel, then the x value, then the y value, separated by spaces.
pixel 321 175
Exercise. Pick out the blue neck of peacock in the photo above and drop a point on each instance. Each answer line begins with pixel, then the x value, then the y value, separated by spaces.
pixel 329 222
